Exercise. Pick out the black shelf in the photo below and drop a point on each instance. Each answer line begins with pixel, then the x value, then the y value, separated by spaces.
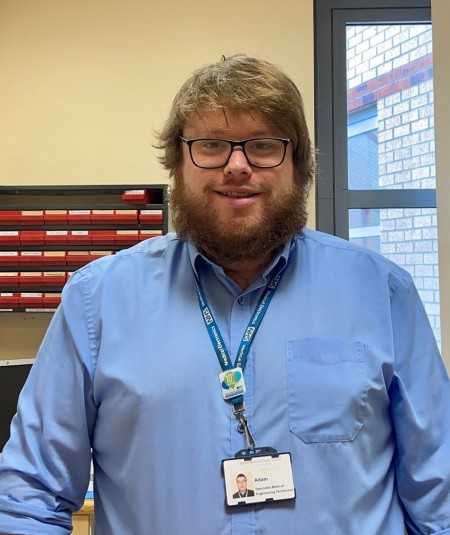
pixel 23 196
pixel 115 226
pixel 33 310
pixel 31 289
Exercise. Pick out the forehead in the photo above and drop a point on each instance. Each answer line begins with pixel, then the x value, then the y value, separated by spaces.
pixel 229 124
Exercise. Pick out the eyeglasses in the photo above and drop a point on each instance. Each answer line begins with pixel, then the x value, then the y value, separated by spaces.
pixel 214 153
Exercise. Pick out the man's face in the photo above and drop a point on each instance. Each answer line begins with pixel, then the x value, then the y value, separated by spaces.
pixel 238 193
pixel 236 212
pixel 242 484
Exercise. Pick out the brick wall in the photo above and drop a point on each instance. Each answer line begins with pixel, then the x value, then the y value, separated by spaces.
pixel 390 67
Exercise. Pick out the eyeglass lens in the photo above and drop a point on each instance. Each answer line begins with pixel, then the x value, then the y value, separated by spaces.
pixel 259 152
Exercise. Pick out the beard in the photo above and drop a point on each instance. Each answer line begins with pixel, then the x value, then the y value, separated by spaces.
pixel 227 243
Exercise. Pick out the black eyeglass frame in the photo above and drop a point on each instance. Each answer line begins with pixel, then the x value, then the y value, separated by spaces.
pixel 241 143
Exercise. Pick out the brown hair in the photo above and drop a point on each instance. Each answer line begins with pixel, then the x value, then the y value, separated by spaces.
pixel 242 84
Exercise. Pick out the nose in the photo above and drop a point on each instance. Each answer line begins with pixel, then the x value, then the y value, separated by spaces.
pixel 238 164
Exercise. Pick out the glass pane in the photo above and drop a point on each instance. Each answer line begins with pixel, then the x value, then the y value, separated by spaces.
pixel 408 237
pixel 390 112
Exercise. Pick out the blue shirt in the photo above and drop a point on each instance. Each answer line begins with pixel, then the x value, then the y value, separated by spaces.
pixel 344 374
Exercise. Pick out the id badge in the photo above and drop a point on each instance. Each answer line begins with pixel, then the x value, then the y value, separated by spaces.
pixel 260 478
pixel 232 383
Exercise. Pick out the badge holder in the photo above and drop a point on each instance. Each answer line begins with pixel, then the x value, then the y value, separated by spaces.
pixel 259 475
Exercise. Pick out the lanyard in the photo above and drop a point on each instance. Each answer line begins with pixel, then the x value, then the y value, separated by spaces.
pixel 215 335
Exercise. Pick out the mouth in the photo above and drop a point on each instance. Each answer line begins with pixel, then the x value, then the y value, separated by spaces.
pixel 238 200
pixel 237 194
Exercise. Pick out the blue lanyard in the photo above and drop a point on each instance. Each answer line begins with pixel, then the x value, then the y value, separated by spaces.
pixel 215 335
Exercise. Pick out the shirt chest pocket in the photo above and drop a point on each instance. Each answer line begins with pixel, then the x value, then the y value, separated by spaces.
pixel 327 389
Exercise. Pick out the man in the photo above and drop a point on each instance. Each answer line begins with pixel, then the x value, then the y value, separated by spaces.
pixel 243 491
pixel 340 365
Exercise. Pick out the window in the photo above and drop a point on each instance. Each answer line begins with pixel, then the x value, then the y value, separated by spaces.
pixel 375 133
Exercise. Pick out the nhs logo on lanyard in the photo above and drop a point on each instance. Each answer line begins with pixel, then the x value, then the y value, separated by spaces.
pixel 207 316
pixel 248 334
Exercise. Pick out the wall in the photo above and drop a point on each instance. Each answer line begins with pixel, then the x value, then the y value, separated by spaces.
pixel 85 82
pixel 440 11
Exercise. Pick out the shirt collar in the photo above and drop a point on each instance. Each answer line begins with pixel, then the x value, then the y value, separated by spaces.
pixel 197 257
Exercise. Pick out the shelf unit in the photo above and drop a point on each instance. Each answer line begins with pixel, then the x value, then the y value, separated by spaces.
pixel 48 232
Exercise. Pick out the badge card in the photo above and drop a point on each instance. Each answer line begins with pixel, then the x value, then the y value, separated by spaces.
pixel 258 479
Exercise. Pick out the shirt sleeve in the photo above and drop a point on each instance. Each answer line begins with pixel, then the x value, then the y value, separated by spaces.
pixel 420 408
pixel 44 472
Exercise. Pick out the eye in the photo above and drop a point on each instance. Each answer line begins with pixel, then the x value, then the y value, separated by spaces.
pixel 212 144
pixel 263 145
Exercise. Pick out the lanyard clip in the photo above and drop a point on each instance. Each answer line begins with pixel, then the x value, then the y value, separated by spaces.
pixel 239 412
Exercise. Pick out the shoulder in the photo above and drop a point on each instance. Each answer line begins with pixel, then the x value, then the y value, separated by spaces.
pixel 322 243
pixel 314 238
pixel 149 257
pixel 347 260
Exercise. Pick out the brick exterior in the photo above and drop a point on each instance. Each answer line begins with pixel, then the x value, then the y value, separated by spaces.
pixel 391 67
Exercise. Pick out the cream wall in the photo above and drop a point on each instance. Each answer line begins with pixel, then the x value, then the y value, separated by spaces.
pixel 440 12
pixel 84 83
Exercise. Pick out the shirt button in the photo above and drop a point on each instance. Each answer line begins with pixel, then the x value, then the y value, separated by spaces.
pixel 241 300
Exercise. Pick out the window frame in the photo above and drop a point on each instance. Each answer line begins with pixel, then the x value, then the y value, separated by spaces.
pixel 333 197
